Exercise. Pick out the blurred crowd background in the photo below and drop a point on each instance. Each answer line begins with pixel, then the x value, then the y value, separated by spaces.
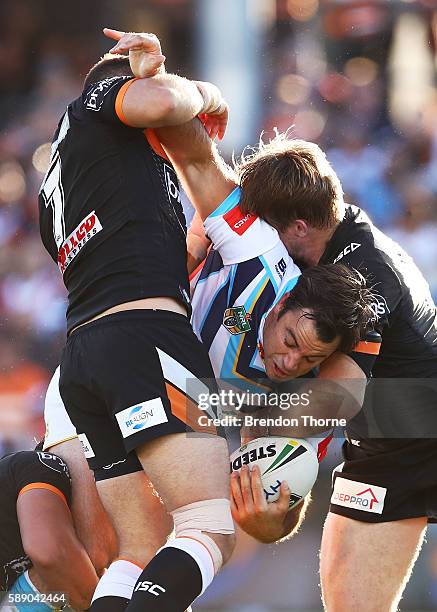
pixel 356 76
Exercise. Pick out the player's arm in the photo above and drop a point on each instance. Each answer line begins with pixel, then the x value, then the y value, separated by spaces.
pixel 197 244
pixel 265 522
pixel 50 541
pixel 205 176
pixel 163 99
pixel 92 524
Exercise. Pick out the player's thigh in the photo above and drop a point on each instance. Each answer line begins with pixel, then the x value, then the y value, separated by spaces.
pixel 187 467
pixel 138 515
pixel 365 566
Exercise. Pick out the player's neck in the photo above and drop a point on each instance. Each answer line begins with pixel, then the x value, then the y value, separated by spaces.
pixel 314 245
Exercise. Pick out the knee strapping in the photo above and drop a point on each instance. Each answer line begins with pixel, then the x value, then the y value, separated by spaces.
pixel 191 522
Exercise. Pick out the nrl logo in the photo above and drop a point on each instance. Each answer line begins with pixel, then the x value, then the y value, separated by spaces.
pixel 236 320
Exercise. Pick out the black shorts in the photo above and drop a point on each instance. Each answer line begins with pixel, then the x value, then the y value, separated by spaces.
pixel 131 377
pixel 374 485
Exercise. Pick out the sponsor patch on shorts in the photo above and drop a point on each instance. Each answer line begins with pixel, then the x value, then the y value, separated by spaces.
pixel 141 416
pixel 86 446
pixel 358 495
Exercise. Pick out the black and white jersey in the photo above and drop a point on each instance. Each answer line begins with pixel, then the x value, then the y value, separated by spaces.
pixel 20 472
pixel 110 208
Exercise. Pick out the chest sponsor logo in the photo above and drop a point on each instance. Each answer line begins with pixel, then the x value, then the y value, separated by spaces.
pixel 358 495
pixel 236 320
pixel 72 245
pixel 238 221
pixel 141 416
pixel 86 446
pixel 353 246
pixel 95 98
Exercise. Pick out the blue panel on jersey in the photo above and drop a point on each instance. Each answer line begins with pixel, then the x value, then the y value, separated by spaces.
pixel 247 342
pixel 214 316
pixel 213 263
pixel 247 271
pixel 228 204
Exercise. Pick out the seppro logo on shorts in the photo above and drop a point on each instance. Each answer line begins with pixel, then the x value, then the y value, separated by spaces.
pixel 141 416
pixel 358 495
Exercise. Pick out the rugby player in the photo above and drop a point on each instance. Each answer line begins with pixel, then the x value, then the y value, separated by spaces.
pixel 39 549
pixel 251 273
pixel 368 550
pixel 111 218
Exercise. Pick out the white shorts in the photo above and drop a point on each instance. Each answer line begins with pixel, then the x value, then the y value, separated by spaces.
pixel 59 428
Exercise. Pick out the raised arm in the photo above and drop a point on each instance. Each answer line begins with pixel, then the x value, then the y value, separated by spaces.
pixel 205 176
pixel 162 99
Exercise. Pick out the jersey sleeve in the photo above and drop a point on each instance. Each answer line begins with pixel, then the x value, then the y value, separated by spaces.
pixel 41 470
pixel 238 236
pixel 103 101
pixel 387 290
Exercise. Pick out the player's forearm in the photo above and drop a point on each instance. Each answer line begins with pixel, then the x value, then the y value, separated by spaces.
pixel 188 102
pixel 68 572
pixel 205 176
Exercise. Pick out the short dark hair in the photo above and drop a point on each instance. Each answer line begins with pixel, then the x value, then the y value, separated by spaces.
pixel 108 66
pixel 288 179
pixel 337 299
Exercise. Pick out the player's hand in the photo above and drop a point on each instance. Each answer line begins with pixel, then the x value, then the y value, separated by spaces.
pixel 252 432
pixel 263 521
pixel 144 50
pixel 215 112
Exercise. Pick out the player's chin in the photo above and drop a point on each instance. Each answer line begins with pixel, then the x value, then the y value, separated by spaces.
pixel 272 372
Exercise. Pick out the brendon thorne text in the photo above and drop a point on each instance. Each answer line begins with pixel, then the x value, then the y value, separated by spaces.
pixel 250 420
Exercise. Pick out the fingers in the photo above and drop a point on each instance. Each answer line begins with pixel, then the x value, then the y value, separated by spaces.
pixel 147 42
pixel 237 497
pixel 246 488
pixel 283 501
pixel 145 64
pixel 259 496
pixel 114 34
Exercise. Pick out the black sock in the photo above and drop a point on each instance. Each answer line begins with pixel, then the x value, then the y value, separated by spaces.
pixel 109 604
pixel 169 583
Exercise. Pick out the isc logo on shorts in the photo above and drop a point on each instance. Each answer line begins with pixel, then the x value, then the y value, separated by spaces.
pixel 141 416
pixel 358 495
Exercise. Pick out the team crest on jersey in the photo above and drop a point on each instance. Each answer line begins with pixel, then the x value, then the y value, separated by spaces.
pixel 236 320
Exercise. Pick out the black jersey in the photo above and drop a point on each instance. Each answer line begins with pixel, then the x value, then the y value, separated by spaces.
pixel 17 472
pixel 110 209
pixel 401 398
pixel 407 317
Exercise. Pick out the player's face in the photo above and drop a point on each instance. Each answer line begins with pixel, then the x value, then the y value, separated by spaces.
pixel 291 345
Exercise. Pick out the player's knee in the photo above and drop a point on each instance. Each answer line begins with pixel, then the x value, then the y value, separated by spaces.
pixel 226 543
pixel 210 523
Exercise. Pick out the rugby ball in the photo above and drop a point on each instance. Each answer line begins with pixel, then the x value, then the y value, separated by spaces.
pixel 292 460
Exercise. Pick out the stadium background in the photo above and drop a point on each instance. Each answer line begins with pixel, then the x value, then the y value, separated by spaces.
pixel 358 77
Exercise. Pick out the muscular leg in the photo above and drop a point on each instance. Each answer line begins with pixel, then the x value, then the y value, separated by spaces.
pixel 138 514
pixel 366 566
pixel 189 468
pixel 184 470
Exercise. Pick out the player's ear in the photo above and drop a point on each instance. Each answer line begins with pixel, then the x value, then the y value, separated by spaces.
pixel 300 228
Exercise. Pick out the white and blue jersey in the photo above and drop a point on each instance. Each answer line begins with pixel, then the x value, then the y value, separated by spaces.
pixel 247 271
